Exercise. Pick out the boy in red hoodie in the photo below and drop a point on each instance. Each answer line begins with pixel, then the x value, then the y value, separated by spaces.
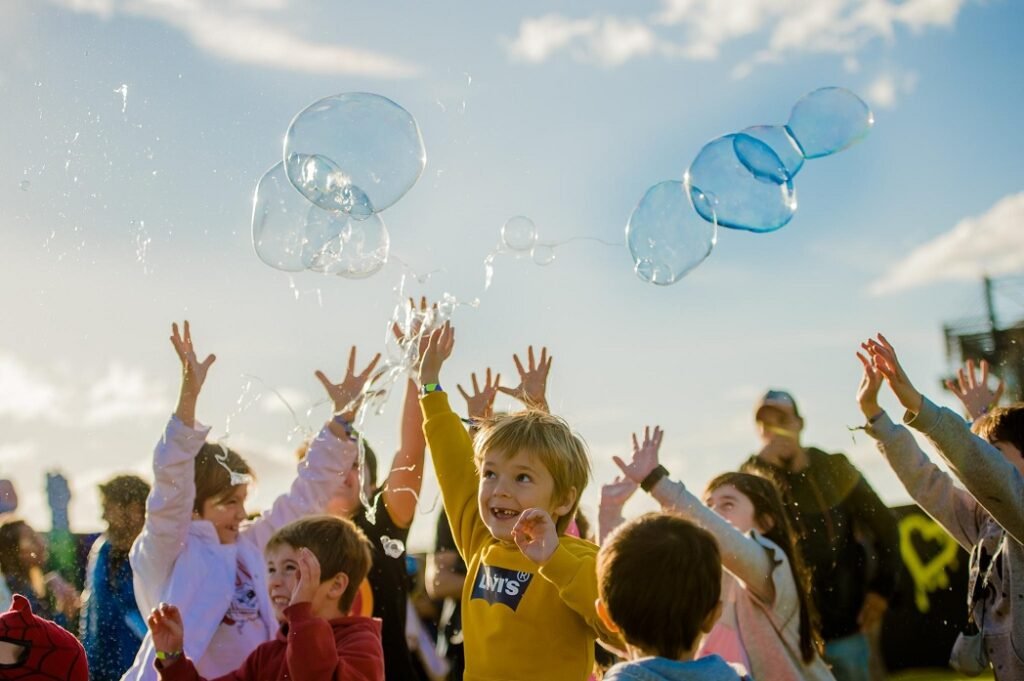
pixel 314 569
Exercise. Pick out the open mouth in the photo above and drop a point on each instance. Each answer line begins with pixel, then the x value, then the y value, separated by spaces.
pixel 280 601
pixel 503 513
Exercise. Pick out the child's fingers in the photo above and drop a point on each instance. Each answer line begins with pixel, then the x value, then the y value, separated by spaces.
pixel 984 372
pixel 519 365
pixel 636 443
pixel 324 380
pixel 372 366
pixel 533 364
pixel 462 392
pixel 511 392
pixel 622 466
pixel 476 385
pixel 352 361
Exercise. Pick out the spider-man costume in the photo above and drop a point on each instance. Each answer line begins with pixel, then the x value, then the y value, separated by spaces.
pixel 50 653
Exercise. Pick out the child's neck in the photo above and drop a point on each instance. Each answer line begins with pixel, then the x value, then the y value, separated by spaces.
pixel 636 653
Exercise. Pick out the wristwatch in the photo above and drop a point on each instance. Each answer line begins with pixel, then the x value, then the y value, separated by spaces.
pixel 432 388
pixel 653 478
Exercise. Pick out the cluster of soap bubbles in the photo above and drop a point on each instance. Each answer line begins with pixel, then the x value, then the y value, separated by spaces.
pixel 741 181
pixel 519 238
pixel 346 158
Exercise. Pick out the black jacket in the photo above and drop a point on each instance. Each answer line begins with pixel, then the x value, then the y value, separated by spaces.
pixel 832 506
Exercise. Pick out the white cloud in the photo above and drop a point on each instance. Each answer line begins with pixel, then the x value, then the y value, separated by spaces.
pixel 123 393
pixel 246 31
pixel 24 393
pixel 700 29
pixel 888 88
pixel 13 453
pixel 991 243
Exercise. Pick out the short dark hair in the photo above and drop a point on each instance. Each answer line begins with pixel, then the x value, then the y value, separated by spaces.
pixel 1003 424
pixel 10 546
pixel 125 490
pixel 337 543
pixel 213 480
pixel 662 610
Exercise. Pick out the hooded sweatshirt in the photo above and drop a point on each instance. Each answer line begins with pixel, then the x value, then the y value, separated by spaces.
pixel 712 668
pixel 307 647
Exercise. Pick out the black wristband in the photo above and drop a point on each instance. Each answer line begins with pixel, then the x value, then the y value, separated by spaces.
pixel 653 478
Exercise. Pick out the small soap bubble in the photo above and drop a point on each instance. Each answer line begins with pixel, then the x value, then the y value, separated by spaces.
pixel 279 216
pixel 24 185
pixel 785 149
pixel 519 233
pixel 543 254
pixel 667 235
pixel 828 120
pixel 356 152
pixel 393 548
pixel 740 199
pixel 360 249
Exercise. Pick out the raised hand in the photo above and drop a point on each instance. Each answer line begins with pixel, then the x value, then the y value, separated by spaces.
pixel 533 380
pixel 439 348
pixel 309 577
pixel 193 373
pixel 480 404
pixel 66 597
pixel 645 455
pixel 867 392
pixel 973 392
pixel 883 356
pixel 348 395
pixel 615 494
pixel 167 628
pixel 415 325
pixel 58 492
pixel 536 535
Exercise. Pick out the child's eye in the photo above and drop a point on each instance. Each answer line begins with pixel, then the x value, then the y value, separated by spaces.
pixel 487 475
pixel 523 477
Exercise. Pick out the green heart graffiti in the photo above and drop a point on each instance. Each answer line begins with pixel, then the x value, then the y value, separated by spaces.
pixel 932 574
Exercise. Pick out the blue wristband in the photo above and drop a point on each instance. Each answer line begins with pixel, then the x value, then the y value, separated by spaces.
pixel 343 422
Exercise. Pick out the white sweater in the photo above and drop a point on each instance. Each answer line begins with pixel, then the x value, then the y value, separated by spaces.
pixel 180 561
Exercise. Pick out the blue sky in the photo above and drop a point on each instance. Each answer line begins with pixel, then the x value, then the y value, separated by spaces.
pixel 124 213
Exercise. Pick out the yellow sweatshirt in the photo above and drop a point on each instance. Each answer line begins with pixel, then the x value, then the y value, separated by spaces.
pixel 519 623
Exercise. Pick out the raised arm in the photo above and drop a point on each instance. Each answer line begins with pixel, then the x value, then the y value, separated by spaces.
pixel 990 478
pixel 614 496
pixel 974 394
pixel 742 556
pixel 169 505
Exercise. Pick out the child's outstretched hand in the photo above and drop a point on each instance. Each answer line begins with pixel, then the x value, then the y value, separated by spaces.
pixel 883 356
pixel 309 577
pixel 193 373
pixel 415 324
pixel 870 384
pixel 480 404
pixel 533 380
pixel 645 455
pixel 439 349
pixel 615 494
pixel 973 393
pixel 167 628
pixel 536 535
pixel 348 395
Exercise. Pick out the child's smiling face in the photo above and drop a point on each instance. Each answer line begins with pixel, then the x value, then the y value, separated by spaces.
pixel 512 484
pixel 227 513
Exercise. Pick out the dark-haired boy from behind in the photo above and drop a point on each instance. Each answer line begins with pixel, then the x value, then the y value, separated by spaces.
pixel 660 579
pixel 314 568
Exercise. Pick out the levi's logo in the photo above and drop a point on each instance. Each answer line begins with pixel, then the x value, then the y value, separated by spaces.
pixel 499 585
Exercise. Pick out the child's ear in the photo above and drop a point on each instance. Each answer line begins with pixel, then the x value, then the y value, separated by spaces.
pixel 567 502
pixel 339 583
pixel 712 619
pixel 602 612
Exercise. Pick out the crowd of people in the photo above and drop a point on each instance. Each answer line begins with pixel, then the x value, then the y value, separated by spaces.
pixel 777 571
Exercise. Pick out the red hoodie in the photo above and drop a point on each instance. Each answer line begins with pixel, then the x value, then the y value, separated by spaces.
pixel 308 648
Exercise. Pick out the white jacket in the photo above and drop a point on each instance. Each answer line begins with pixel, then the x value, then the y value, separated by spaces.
pixel 180 561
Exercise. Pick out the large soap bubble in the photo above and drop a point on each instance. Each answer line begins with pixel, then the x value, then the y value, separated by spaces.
pixel 783 146
pixel 359 250
pixel 279 215
pixel 828 120
pixel 355 152
pixel 519 233
pixel 667 236
pixel 740 198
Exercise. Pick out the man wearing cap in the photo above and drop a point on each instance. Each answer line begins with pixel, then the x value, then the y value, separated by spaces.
pixel 831 504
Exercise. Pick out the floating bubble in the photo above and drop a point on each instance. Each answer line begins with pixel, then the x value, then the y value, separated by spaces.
pixel 543 254
pixel 355 152
pixel 667 234
pixel 828 120
pixel 393 548
pixel 359 250
pixel 740 199
pixel 519 233
pixel 279 215
pixel 24 185
pixel 785 149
